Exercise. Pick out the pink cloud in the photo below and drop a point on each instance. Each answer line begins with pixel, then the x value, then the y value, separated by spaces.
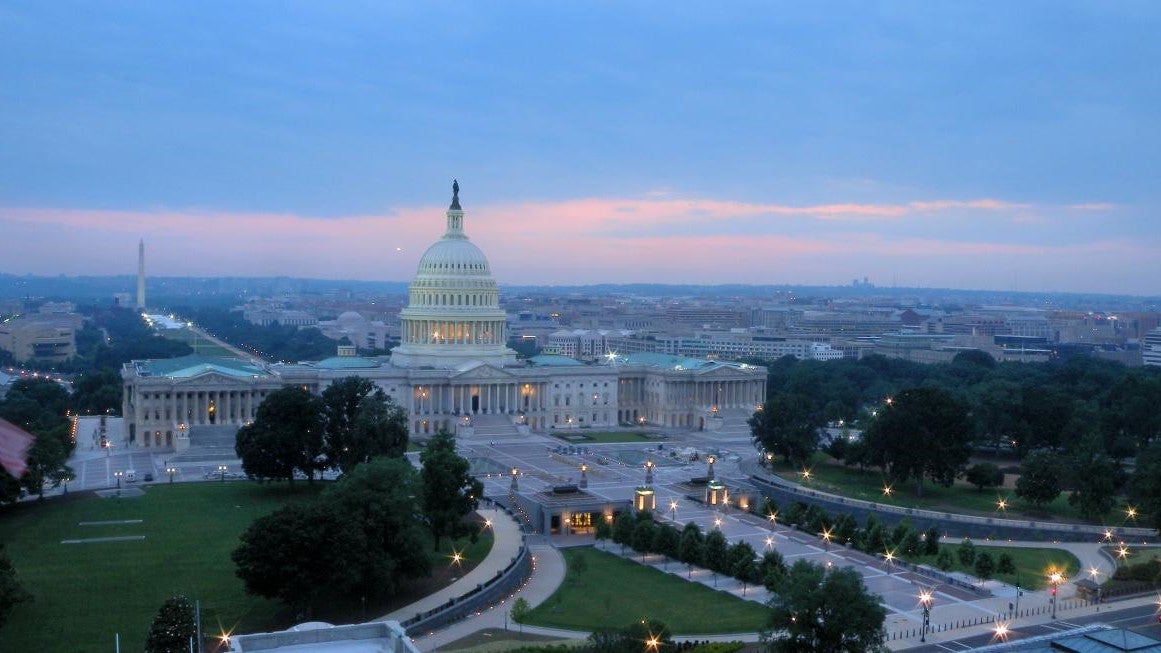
pixel 569 242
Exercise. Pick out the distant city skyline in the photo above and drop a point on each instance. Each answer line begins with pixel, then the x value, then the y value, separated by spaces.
pixel 980 146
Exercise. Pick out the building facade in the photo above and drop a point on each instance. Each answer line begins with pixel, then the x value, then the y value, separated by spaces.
pixel 452 371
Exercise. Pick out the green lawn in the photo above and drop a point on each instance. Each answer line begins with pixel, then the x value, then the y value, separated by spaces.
pixel 1032 564
pixel 199 344
pixel 84 593
pixel 584 436
pixel 869 485
pixel 612 592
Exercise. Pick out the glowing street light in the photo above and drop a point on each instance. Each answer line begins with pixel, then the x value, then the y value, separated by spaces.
pixel 1131 513
pixel 222 473
pixel 457 557
pixel 653 643
pixel 826 538
pixel 1094 572
pixel 806 474
pixel 1123 552
pixel 886 490
pixel 717 522
pixel 171 471
pixel 117 475
pixel 925 598
pixel 1001 504
pixel 773 517
pixel 1001 632
pixel 673 510
pixel 769 542
pixel 1108 535
pixel 1056 578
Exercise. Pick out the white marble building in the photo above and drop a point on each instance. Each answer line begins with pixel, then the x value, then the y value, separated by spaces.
pixel 453 371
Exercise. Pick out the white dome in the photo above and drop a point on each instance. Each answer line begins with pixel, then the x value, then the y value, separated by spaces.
pixel 349 317
pixel 456 257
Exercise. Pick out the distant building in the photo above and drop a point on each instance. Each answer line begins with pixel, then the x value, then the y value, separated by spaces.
pixel 1151 347
pixel 452 371
pixel 361 332
pixel 42 336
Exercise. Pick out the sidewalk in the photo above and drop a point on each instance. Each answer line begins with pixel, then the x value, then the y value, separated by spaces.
pixel 505 547
pixel 547 574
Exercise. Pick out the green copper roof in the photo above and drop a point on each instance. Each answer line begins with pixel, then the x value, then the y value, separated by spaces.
pixel 552 360
pixel 347 363
pixel 666 360
pixel 193 365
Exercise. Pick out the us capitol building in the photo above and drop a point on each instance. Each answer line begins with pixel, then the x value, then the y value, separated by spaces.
pixel 452 370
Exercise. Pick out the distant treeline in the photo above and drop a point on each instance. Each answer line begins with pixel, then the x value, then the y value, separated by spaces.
pixel 1014 406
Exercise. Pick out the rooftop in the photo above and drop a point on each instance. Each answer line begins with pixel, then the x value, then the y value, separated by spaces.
pixel 185 367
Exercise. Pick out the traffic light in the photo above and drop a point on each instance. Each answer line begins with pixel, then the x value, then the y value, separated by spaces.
pixel 1053 591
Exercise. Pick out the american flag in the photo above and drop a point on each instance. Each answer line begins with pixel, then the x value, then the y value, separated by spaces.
pixel 14 444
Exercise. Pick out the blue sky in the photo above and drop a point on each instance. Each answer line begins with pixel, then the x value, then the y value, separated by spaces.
pixel 969 145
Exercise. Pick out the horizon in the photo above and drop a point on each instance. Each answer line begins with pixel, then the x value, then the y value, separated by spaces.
pixel 979 148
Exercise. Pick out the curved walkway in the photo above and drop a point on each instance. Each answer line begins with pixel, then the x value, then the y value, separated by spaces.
pixel 506 538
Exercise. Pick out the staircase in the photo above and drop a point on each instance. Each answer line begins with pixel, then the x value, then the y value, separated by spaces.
pixel 493 427
pixel 209 444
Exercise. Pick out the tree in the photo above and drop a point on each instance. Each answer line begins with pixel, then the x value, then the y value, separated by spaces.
pixel 1039 481
pixel 931 541
pixel 787 425
pixel 740 560
pixel 921 433
pixel 943 560
pixel 520 610
pixel 966 552
pixel 12 593
pixel 639 636
pixel 450 492
pixel 642 538
pixel 772 569
pixel 361 538
pixel 691 550
pixel 172 628
pixel 604 530
pixel 716 549
pixel 285 437
pixel 1145 485
pixel 290 555
pixel 666 540
pixel 817 610
pixel 360 422
pixel 38 406
pixel 623 524
pixel 1095 478
pixel 984 475
pixel 984 566
pixel 1006 565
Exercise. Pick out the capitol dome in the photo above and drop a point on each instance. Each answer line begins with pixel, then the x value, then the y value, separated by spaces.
pixel 453 315
pixel 454 257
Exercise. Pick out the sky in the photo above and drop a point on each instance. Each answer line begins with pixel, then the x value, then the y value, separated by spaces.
pixel 977 145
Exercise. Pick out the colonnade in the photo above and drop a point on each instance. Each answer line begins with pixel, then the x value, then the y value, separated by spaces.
pixel 478 398
pixel 469 332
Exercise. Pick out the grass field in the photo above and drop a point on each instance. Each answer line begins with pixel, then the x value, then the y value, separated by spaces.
pixel 199 344
pixel 584 436
pixel 1032 564
pixel 84 593
pixel 869 485
pixel 612 592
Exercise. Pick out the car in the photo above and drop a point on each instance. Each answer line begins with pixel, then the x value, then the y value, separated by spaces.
pixel 149 478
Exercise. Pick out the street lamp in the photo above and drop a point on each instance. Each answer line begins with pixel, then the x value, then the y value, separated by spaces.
pixel 673 511
pixel 925 598
pixel 171 471
pixel 1001 504
pixel 222 473
pixel 118 475
pixel 1056 578
pixel 826 538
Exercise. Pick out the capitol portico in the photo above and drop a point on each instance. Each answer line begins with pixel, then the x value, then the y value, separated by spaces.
pixel 452 370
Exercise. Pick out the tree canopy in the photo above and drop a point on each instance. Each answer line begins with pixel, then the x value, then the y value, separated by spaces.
pixel 787 425
pixel 360 422
pixel 285 437
pixel 38 406
pixel 1040 477
pixel 172 628
pixel 813 609
pixel 361 538
pixel 921 433
pixel 12 592
pixel 450 491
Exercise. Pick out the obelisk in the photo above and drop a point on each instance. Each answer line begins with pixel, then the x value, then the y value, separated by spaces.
pixel 141 275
